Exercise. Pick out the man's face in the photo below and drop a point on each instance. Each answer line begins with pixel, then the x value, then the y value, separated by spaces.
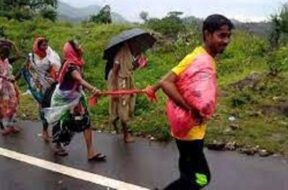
pixel 218 40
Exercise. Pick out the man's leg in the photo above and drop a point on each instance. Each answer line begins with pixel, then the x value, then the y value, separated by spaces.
pixel 127 137
pixel 193 165
pixel 181 183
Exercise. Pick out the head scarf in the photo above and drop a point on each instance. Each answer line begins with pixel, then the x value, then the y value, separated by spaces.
pixel 36 50
pixel 71 58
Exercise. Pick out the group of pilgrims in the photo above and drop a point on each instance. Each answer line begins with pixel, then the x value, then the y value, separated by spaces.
pixel 58 88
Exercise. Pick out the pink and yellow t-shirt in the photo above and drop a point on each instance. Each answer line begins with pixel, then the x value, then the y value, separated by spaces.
pixel 197 132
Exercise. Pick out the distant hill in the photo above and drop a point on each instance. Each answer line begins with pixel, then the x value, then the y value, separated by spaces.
pixel 259 28
pixel 69 13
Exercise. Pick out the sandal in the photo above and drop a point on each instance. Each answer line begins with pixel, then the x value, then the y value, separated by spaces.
pixel 15 129
pixel 6 131
pixel 61 152
pixel 98 158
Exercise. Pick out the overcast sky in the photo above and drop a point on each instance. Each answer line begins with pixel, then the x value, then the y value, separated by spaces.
pixel 244 10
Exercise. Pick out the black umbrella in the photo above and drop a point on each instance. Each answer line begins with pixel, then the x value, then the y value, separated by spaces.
pixel 140 40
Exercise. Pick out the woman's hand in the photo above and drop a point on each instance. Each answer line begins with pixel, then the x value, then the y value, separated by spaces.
pixel 96 92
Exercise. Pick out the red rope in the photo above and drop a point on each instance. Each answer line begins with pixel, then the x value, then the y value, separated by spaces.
pixel 148 92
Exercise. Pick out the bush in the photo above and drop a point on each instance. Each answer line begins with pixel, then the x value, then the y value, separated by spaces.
pixel 169 26
pixel 278 60
pixel 245 52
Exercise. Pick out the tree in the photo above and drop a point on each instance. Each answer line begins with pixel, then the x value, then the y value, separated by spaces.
pixel 144 16
pixel 175 14
pixel 2 32
pixel 49 13
pixel 279 26
pixel 170 25
pixel 104 16
pixel 26 9
pixel 275 32
pixel 283 16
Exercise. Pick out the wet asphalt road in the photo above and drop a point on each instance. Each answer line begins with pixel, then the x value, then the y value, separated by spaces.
pixel 143 163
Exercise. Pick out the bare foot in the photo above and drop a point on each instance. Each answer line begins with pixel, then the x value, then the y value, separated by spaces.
pixel 45 136
pixel 128 138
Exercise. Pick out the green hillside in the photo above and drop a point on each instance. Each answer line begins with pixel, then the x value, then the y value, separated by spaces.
pixel 253 102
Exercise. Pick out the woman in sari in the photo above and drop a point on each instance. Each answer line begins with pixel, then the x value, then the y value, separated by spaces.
pixel 41 75
pixel 69 104
pixel 120 77
pixel 9 95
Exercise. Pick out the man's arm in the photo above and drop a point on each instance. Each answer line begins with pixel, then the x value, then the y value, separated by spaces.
pixel 167 84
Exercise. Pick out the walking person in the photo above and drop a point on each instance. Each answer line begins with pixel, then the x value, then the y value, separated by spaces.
pixel 68 112
pixel 121 77
pixel 124 54
pixel 9 94
pixel 194 76
pixel 41 75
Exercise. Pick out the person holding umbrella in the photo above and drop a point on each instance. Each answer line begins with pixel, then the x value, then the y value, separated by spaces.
pixel 124 55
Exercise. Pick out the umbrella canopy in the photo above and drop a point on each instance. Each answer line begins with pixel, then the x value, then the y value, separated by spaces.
pixel 138 38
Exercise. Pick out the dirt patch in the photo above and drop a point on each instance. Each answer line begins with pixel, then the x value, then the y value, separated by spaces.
pixel 278 109
pixel 250 81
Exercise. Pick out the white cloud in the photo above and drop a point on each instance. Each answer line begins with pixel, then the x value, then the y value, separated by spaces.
pixel 252 10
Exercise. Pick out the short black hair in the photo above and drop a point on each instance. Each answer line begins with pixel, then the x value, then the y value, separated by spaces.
pixel 214 22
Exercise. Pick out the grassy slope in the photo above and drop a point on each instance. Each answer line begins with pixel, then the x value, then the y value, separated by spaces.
pixel 246 54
